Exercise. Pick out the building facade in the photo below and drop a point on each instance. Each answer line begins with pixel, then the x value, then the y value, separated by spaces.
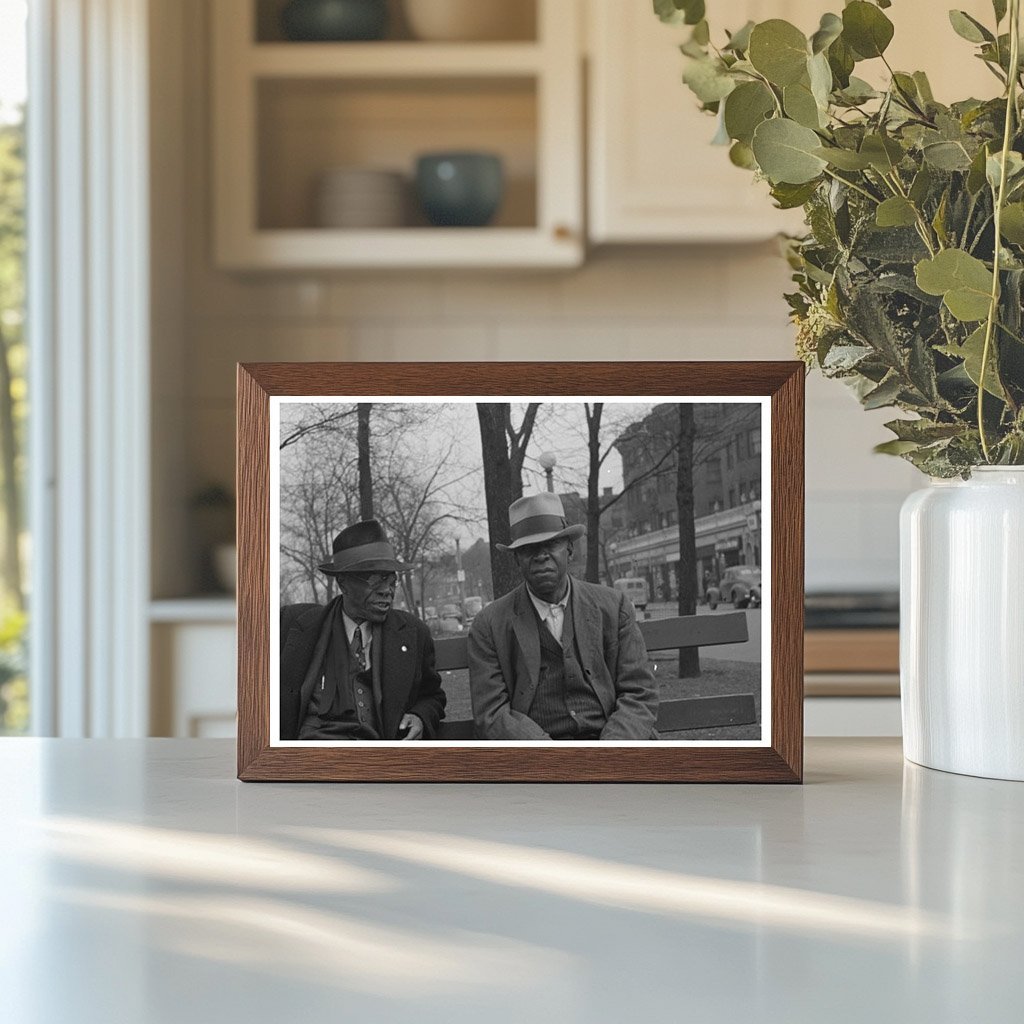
pixel 726 496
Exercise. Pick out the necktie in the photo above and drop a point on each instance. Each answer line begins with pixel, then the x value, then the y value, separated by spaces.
pixel 555 617
pixel 357 647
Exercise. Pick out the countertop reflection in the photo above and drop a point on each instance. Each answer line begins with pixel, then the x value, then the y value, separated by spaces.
pixel 143 883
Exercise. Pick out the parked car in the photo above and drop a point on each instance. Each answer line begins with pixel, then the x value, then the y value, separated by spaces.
pixel 451 611
pixel 444 626
pixel 635 589
pixel 739 585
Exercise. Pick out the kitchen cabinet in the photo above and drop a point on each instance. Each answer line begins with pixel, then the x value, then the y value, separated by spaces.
pixel 653 175
pixel 287 113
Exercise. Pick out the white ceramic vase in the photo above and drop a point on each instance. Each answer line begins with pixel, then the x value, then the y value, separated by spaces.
pixel 962 624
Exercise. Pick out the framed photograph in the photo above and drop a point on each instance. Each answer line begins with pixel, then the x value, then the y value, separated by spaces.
pixel 519 572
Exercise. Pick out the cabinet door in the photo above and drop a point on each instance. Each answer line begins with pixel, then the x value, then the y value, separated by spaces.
pixel 653 174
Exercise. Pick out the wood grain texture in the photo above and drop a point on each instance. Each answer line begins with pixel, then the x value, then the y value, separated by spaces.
pixel 781 762
pixel 852 650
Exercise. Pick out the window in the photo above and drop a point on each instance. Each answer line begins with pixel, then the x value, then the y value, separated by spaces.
pixel 14 704
pixel 755 441
pixel 732 497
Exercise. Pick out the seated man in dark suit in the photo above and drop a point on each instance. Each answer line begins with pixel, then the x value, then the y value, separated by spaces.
pixel 558 658
pixel 358 669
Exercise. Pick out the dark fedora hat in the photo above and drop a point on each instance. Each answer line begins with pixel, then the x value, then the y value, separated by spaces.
pixel 536 518
pixel 363 547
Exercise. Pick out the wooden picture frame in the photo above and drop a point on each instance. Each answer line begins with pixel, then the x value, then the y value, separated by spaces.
pixel 777 757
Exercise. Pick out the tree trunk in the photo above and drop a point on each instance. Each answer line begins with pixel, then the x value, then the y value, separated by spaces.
pixel 365 473
pixel 593 414
pixel 518 441
pixel 498 492
pixel 11 490
pixel 689 657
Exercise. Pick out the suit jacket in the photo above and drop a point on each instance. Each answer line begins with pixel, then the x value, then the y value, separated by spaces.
pixel 504 664
pixel 402 653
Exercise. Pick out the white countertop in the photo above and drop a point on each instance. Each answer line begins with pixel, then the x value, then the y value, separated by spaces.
pixel 143 884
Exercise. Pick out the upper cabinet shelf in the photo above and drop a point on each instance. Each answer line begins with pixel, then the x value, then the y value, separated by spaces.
pixel 316 144
pixel 394 59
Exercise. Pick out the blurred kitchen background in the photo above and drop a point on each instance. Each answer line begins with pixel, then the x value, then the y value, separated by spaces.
pixel 285 213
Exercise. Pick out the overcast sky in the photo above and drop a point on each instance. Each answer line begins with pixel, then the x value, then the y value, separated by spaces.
pixel 560 429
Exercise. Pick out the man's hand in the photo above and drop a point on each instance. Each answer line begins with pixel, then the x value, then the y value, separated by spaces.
pixel 412 726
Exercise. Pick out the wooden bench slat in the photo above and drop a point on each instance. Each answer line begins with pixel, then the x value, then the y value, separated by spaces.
pixel 673 715
pixel 706 712
pixel 658 634
pixel 695 631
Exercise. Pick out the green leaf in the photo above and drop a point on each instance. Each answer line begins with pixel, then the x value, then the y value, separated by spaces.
pixel 785 152
pixel 742 155
pixel 701 33
pixel 921 186
pixel 830 29
pixel 841 60
pixel 883 153
pixel 924 88
pixel 994 167
pixel 939 220
pixel 778 50
pixel 789 197
pixel 923 431
pixel 896 212
pixel 707 80
pixel 999 7
pixel 859 91
pixel 971 352
pixel 946 156
pixel 1012 224
pixel 866 29
pixel 800 105
pixel 844 159
pixel 963 281
pixel 679 12
pixel 885 394
pixel 820 75
pixel 739 41
pixel 968 28
pixel 895 447
pixel 745 108
pixel 976 175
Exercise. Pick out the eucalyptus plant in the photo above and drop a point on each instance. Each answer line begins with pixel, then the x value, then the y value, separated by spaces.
pixel 910 277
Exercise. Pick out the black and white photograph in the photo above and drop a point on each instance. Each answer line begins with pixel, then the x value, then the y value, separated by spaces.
pixel 550 571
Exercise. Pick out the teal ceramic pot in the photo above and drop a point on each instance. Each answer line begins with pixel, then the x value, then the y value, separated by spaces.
pixel 334 20
pixel 460 189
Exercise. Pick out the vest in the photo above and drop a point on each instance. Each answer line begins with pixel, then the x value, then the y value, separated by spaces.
pixel 345 705
pixel 564 703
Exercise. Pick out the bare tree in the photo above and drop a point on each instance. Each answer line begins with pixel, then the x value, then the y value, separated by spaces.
pixel 689 657
pixel 316 419
pixel 365 471
pixel 504 450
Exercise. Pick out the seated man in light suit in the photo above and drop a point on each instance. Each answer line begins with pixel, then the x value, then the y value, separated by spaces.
pixel 558 658
pixel 358 669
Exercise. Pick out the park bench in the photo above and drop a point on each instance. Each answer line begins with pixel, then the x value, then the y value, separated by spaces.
pixel 659 635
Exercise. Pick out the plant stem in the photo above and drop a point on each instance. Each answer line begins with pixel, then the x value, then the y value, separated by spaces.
pixel 855 187
pixel 993 309
pixel 922 225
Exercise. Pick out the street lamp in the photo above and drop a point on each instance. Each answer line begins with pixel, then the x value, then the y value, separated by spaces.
pixel 548 462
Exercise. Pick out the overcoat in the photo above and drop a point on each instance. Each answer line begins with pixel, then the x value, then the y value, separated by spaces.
pixel 402 656
pixel 505 659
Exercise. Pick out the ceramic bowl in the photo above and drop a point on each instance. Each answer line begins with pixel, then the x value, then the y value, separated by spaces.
pixel 334 20
pixel 470 20
pixel 460 189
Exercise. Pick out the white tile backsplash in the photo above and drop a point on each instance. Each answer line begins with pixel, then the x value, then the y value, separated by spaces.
pixel 718 302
